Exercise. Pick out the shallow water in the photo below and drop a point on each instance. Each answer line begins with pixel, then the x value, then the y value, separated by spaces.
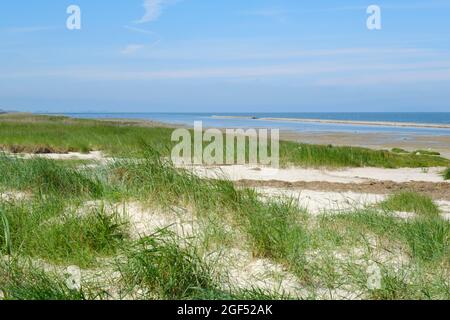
pixel 209 121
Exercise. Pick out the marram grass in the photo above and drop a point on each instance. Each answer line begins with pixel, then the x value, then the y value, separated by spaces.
pixel 48 225
pixel 50 230
pixel 411 202
pixel 25 281
pixel 447 174
pixel 41 134
pixel 47 176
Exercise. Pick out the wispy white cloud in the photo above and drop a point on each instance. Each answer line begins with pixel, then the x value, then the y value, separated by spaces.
pixel 276 14
pixel 387 78
pixel 140 30
pixel 266 12
pixel 312 73
pixel 218 51
pixel 153 10
pixel 131 49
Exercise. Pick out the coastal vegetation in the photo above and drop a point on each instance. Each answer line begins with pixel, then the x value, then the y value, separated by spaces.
pixel 25 133
pixel 417 152
pixel 64 219
pixel 137 227
pixel 399 150
pixel 447 174
pixel 427 152
pixel 411 202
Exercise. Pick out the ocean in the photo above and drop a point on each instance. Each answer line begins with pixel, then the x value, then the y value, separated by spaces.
pixel 209 120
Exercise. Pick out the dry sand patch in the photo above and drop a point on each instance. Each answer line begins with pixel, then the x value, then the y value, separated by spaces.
pixel 317 202
pixel 145 221
pixel 346 175
pixel 438 191
pixel 10 196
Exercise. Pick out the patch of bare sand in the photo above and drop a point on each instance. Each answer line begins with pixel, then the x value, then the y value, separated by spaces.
pixel 97 156
pixel 13 196
pixel 318 202
pixel 438 191
pixel 144 221
pixel 243 271
pixel 246 272
pixel 376 250
pixel 445 208
pixel 347 175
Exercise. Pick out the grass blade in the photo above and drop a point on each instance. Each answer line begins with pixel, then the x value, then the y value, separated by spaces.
pixel 6 232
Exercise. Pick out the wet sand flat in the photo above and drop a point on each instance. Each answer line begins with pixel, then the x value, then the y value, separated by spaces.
pixel 353 122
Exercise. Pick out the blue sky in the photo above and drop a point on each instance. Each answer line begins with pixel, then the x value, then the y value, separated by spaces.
pixel 225 56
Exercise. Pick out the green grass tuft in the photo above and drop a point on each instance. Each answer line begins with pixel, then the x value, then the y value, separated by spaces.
pixel 428 239
pixel 5 237
pixel 48 176
pixel 447 174
pixel 427 153
pixel 30 283
pixel 394 287
pixel 399 150
pixel 333 156
pixel 411 202
pixel 275 231
pixel 49 230
pixel 160 264
pixel 22 133
pixel 156 180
